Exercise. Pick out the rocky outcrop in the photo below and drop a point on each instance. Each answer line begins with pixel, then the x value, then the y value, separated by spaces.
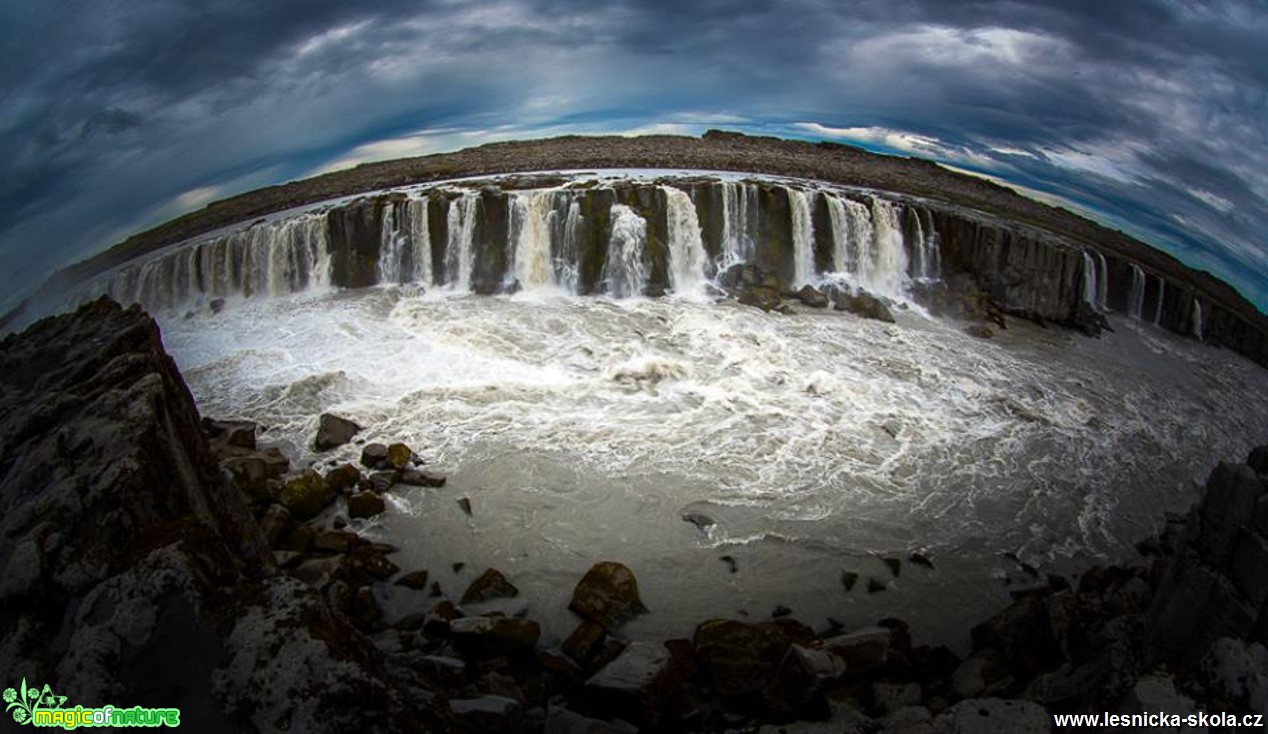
pixel 134 573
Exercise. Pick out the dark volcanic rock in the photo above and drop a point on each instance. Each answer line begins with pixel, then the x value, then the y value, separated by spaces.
pixel 365 504
pixel 155 584
pixel 374 456
pixel 811 296
pixel 333 431
pixel 864 304
pixel 490 585
pixel 607 594
pixel 740 658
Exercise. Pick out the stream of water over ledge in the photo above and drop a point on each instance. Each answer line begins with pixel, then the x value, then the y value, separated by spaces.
pixel 582 429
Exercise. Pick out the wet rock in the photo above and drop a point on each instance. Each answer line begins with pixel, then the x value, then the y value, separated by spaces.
pixel 381 481
pixel 398 456
pixel 231 433
pixel 374 456
pixel 495 634
pixel 487 713
pixel 584 642
pixel 273 523
pixel 1249 567
pixel 639 684
pixel 996 716
pixel 703 522
pixel 334 541
pixel 250 474
pixel 370 561
pixel 306 495
pixel 490 585
pixel 920 559
pixel 864 304
pixel 849 579
pixel 863 649
pixel 1193 606
pixel 443 669
pixel 465 505
pixel 732 566
pixel 607 594
pixel 298 538
pixel 333 431
pixel 780 611
pixel 1023 633
pixel 740 659
pixel 765 298
pixel 984 674
pixel 1258 460
pixel 365 504
pixel 875 585
pixel 895 565
pixel 812 297
pixel 981 331
pixel 560 720
pixel 801 676
pixel 890 697
pixel 343 478
pixel 216 305
pixel 416 580
pixel 417 478
pixel 1229 503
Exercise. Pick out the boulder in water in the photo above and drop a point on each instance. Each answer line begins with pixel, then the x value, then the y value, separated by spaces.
pixel 739 658
pixel 490 585
pixel 374 456
pixel 495 634
pixel 398 456
pixel 417 478
pixel 333 431
pixel 864 304
pixel 343 478
pixel 306 495
pixel 812 297
pixel 608 595
pixel 365 504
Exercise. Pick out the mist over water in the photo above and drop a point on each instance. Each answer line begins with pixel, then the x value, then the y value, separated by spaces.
pixel 582 429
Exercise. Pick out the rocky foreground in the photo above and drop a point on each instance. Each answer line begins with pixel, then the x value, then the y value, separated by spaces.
pixel 155 558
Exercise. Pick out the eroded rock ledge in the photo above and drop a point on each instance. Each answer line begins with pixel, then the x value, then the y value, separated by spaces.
pixel 152 558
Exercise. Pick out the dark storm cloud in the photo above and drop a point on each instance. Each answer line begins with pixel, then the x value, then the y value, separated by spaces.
pixel 118 114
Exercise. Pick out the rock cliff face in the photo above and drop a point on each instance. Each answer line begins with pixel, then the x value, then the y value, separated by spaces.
pixel 590 236
pixel 133 573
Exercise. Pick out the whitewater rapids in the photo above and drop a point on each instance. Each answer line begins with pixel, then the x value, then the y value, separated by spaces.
pixel 582 429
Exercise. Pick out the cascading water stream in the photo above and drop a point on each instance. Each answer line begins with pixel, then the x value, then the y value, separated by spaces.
pixel 739 203
pixel 459 250
pixel 1090 290
pixel 686 248
pixel 1162 296
pixel 626 268
pixel 803 234
pixel 1136 295
pixel 888 277
pixel 530 231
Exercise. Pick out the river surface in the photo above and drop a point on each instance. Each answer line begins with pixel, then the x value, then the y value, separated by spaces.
pixel 582 429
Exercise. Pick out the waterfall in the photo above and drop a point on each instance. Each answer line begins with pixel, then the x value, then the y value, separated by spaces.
pixel 927 257
pixel 686 249
pixel 889 273
pixel 1197 319
pixel 391 247
pixel 459 252
pixel 568 255
pixel 626 268
pixel 1089 279
pixel 1162 295
pixel 419 241
pixel 1102 284
pixel 803 235
pixel 1136 296
pixel 739 203
pixel 529 231
pixel 271 258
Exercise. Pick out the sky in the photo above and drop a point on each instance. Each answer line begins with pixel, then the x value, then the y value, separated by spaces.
pixel 115 115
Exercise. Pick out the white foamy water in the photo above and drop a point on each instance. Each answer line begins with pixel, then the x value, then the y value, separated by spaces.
pixel 582 428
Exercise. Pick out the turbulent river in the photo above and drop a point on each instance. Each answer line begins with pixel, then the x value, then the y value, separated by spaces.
pixel 583 428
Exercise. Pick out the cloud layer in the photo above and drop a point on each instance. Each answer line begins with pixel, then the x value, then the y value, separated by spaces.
pixel 118 114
